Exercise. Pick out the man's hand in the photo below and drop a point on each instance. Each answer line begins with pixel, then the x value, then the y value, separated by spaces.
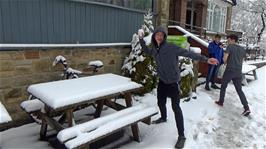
pixel 141 33
pixel 212 61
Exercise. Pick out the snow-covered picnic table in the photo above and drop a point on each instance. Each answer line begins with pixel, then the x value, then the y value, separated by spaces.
pixel 63 93
pixel 4 116
pixel 66 95
pixel 248 70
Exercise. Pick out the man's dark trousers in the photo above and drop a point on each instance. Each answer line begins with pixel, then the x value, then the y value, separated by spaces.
pixel 236 77
pixel 172 91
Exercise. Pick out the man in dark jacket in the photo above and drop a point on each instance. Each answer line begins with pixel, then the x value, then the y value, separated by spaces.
pixel 215 50
pixel 166 57
pixel 233 57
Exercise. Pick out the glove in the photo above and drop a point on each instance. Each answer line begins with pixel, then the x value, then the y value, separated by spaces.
pixel 141 33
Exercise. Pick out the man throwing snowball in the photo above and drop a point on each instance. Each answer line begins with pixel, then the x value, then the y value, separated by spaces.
pixel 233 57
pixel 166 57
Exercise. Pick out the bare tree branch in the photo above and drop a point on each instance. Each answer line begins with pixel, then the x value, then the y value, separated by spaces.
pixel 255 12
pixel 263 27
pixel 259 5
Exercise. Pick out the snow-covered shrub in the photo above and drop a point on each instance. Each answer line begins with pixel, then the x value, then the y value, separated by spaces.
pixel 186 74
pixel 139 66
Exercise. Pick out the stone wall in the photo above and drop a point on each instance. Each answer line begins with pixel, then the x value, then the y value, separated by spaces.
pixel 163 12
pixel 21 68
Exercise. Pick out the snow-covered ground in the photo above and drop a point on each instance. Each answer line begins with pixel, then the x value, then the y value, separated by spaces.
pixel 206 125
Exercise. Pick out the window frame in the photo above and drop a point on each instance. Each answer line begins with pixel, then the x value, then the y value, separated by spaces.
pixel 210 17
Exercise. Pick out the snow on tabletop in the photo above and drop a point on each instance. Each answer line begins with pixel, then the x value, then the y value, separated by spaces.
pixel 195 49
pixel 251 62
pixel 4 116
pixel 32 105
pixel 66 92
pixel 247 68
pixel 201 41
pixel 96 63
pixel 110 126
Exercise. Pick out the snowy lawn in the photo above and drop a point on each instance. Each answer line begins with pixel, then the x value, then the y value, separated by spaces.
pixel 206 125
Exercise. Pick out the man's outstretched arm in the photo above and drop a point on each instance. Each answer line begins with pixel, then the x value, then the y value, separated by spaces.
pixel 195 56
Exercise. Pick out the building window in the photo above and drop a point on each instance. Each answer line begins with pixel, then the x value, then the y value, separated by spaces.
pixel 191 15
pixel 216 17
pixel 133 4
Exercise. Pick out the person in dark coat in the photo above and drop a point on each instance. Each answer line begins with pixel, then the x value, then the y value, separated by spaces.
pixel 215 50
pixel 166 57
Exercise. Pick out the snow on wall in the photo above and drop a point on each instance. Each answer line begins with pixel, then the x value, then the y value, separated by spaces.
pixel 97 63
pixel 4 116
pixel 73 71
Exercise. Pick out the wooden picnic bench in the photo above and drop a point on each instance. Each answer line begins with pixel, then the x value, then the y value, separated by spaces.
pixel 80 136
pixel 254 53
pixel 33 107
pixel 65 96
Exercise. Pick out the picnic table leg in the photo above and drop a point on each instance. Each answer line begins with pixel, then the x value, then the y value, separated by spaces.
pixel 44 125
pixel 62 119
pixel 244 80
pixel 255 74
pixel 70 117
pixel 43 130
pixel 128 99
pixel 99 108
pixel 134 127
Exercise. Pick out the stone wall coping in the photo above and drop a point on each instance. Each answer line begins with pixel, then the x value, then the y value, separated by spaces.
pixel 10 47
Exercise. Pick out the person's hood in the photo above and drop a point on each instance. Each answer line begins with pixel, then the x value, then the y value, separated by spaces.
pixel 158 29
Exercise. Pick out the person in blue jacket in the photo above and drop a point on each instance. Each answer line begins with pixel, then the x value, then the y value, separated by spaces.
pixel 215 50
